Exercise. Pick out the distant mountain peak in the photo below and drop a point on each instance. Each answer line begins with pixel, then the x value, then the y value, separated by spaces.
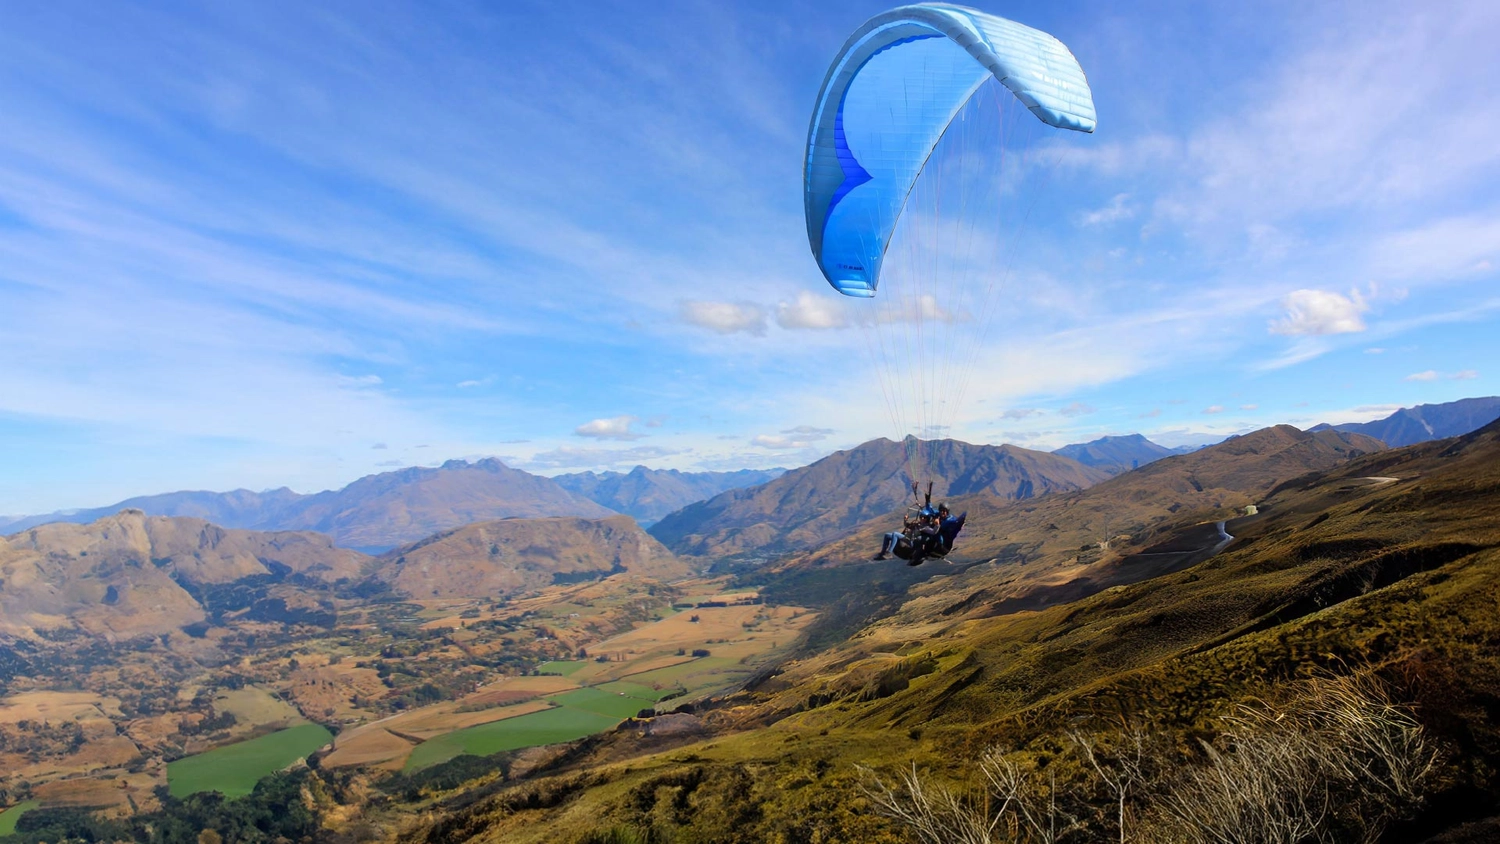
pixel 1117 453
pixel 648 494
pixel 816 503
pixel 1412 425
pixel 374 512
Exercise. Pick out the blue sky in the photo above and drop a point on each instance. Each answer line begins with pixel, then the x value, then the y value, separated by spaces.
pixel 256 244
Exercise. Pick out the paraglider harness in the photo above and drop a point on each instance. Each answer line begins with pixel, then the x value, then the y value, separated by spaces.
pixel 922 543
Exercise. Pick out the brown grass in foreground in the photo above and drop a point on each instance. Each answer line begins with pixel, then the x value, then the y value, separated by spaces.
pixel 1335 761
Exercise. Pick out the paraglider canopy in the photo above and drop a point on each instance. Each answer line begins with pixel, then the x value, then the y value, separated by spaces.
pixel 885 103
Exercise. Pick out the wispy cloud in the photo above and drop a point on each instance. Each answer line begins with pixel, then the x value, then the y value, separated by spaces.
pixel 800 437
pixel 1434 375
pixel 810 311
pixel 725 317
pixel 1117 209
pixel 278 239
pixel 584 458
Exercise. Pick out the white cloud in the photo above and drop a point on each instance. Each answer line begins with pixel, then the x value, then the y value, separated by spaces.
pixel 725 317
pixel 809 432
pixel 1022 436
pixel 476 382
pixel 1212 409
pixel 811 311
pixel 924 308
pixel 1319 312
pixel 802 436
pixel 1150 414
pixel 1116 210
pixel 1077 408
pixel 778 441
pixel 1434 375
pixel 1249 407
pixel 614 428
pixel 584 458
pixel 1021 412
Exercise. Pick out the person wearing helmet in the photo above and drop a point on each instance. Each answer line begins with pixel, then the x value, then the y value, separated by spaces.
pixel 948 527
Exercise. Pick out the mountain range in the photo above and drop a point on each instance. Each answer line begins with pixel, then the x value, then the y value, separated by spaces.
pixel 1427 422
pixel 382 511
pixel 373 514
pixel 1363 561
pixel 1061 537
pixel 765 510
pixel 1156 597
pixel 648 494
pixel 816 503
pixel 1119 454
pixel 130 574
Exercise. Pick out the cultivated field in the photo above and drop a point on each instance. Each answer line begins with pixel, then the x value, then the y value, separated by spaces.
pixel 9 816
pixel 234 770
pixel 563 723
pixel 617 705
pixel 640 666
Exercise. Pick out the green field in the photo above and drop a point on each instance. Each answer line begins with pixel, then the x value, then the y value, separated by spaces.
pixel 565 667
pixel 550 726
pixel 601 702
pixel 636 690
pixel 234 770
pixel 9 817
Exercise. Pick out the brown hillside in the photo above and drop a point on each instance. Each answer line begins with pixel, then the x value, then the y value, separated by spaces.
pixel 1338 570
pixel 395 508
pixel 115 576
pixel 513 556
pixel 817 503
pixel 1062 535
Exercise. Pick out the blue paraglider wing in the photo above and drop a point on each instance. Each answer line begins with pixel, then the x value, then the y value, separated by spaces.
pixel 884 105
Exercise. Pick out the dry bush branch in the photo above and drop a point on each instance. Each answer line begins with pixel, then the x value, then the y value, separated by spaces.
pixel 1013 810
pixel 1335 761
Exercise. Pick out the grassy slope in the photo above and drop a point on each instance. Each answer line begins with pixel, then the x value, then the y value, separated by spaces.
pixel 9 817
pixel 1335 572
pixel 234 769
